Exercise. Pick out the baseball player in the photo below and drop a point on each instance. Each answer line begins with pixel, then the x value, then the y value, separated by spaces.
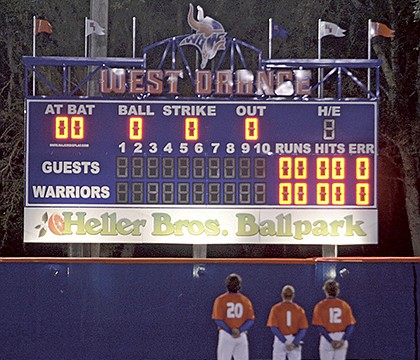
pixel 335 322
pixel 288 323
pixel 234 315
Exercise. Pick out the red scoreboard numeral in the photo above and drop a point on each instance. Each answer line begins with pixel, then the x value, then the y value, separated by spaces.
pixel 285 168
pixel 77 127
pixel 322 168
pixel 338 168
pixel 362 168
pixel 61 127
pixel 73 128
pixel 301 193
pixel 251 129
pixel 285 193
pixel 322 193
pixel 338 194
pixel 362 194
pixel 301 168
pixel 136 128
pixel 191 128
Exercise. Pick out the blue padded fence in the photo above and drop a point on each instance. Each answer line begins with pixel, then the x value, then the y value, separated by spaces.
pixel 161 309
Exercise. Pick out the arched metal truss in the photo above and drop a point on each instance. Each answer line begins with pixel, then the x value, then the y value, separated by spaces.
pixel 357 70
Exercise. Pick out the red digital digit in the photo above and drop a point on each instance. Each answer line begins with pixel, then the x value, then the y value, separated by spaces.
pixel 285 193
pixel 136 128
pixel 251 128
pixel 61 127
pixel 285 168
pixel 77 127
pixel 191 128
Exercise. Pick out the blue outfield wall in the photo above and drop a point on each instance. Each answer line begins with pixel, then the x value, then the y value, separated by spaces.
pixel 161 309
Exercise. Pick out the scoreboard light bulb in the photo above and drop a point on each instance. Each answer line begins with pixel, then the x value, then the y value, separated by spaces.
pixel 251 128
pixel 191 128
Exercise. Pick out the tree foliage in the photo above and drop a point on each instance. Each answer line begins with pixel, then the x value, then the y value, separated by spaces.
pixel 246 20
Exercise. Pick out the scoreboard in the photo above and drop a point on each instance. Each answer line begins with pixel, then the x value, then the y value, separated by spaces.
pixel 200 171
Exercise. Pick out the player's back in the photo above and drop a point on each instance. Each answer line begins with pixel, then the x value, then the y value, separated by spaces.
pixel 334 314
pixel 233 308
pixel 288 317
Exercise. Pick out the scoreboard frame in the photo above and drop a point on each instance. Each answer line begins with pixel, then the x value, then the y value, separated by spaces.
pixel 63 165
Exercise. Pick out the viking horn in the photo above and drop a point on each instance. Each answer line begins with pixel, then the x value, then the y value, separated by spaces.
pixel 191 21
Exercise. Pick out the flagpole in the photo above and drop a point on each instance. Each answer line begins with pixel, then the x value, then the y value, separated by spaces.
pixel 270 36
pixel 319 57
pixel 134 36
pixel 33 54
pixel 86 52
pixel 369 54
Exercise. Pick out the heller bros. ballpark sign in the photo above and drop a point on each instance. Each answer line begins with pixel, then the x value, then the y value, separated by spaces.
pixel 255 158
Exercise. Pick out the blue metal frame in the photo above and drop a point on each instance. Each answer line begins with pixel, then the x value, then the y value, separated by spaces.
pixel 233 47
pixel 338 66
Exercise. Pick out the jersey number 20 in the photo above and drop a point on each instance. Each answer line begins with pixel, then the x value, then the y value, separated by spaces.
pixel 234 310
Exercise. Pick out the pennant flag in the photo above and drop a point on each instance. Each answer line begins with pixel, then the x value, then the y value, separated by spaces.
pixel 379 29
pixel 92 27
pixel 278 31
pixel 42 26
pixel 328 28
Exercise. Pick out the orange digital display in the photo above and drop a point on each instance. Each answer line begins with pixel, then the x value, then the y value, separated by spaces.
pixel 362 168
pixel 328 180
pixel 338 194
pixel 285 168
pixel 61 127
pixel 136 128
pixel 69 128
pixel 301 166
pixel 77 127
pixel 338 168
pixel 251 128
pixel 362 194
pixel 322 168
pixel 285 193
pixel 191 128
pixel 323 194
pixel 301 193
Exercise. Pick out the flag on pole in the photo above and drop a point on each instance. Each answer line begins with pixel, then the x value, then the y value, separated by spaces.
pixel 92 27
pixel 278 31
pixel 42 26
pixel 327 28
pixel 379 29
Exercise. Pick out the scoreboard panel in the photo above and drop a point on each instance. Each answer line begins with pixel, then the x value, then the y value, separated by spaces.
pixel 245 156
pixel 201 153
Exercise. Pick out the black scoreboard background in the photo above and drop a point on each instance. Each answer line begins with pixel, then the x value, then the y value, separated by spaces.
pixel 215 155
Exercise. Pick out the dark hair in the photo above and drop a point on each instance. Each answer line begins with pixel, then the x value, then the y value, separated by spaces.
pixel 233 283
pixel 331 287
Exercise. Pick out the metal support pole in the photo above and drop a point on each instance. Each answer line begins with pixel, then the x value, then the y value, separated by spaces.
pixel 329 251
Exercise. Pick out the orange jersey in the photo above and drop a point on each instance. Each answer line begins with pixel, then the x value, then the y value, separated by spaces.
pixel 233 309
pixel 288 317
pixel 333 314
